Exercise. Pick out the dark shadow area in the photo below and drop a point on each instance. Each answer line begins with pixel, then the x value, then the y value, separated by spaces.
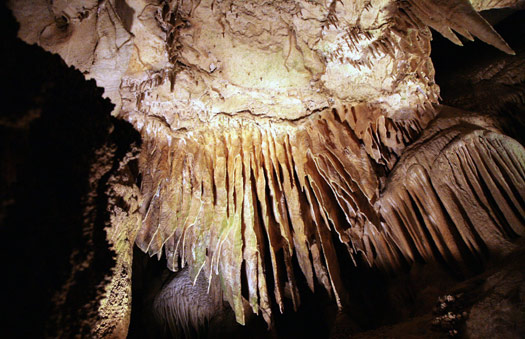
pixel 312 320
pixel 478 77
pixel 51 124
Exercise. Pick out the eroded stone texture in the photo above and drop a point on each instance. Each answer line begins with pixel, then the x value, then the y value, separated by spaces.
pixel 500 298
pixel 271 133
pixel 114 310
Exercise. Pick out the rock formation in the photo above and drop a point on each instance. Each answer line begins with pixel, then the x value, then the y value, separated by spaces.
pixel 275 132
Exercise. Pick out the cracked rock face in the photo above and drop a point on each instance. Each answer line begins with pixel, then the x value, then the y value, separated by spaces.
pixel 280 61
pixel 275 131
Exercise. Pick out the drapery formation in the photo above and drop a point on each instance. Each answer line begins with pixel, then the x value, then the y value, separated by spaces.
pixel 457 193
pixel 227 199
pixel 222 202
pixel 273 131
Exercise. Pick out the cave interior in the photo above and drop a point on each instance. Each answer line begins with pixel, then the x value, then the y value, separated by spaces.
pixel 60 148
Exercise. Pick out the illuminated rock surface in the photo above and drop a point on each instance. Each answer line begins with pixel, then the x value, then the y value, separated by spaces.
pixel 276 133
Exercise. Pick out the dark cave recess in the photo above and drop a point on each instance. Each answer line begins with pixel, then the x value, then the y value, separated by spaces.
pixel 52 123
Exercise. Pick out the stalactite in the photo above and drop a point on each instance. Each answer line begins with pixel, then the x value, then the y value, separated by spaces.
pixel 459 15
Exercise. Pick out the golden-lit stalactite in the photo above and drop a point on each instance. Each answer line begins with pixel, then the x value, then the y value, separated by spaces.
pixel 216 197
pixel 460 16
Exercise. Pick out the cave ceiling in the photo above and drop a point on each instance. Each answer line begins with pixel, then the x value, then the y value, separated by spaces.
pixel 274 132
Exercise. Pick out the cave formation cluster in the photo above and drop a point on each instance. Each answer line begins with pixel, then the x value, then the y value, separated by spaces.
pixel 284 141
